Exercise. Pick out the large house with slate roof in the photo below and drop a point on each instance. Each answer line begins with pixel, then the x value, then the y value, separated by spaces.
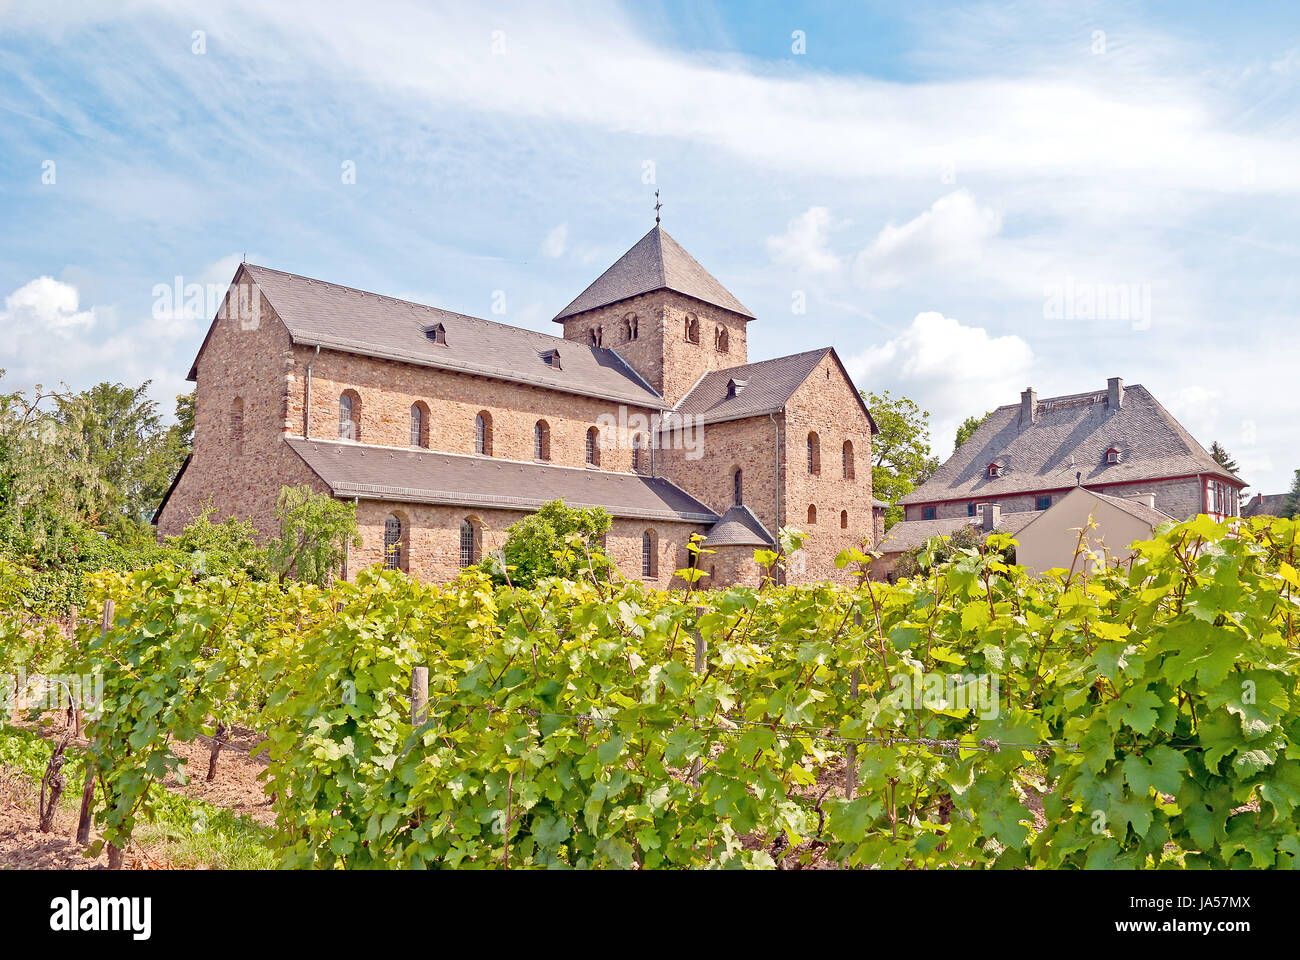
pixel 1119 443
pixel 444 429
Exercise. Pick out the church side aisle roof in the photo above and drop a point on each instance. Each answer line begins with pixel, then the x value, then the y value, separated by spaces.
pixel 425 476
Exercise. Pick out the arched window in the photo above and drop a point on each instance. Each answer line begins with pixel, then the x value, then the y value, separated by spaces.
pixel 720 339
pixel 692 328
pixel 419 424
pixel 593 447
pixel 591 337
pixel 541 440
pixel 596 336
pixel 237 425
pixel 738 487
pixel 814 454
pixel 468 543
pixel 844 519
pixel 848 460
pixel 649 554
pixel 483 433
pixel 812 513
pixel 393 559
pixel 350 416
pixel 629 326
pixel 638 458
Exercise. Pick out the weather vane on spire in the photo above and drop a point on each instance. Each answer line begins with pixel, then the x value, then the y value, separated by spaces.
pixel 657 205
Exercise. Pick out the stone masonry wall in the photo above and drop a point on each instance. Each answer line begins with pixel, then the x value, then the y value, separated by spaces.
pixel 661 353
pixel 431 540
pixel 826 404
pixel 388 390
pixel 249 361
pixel 749 445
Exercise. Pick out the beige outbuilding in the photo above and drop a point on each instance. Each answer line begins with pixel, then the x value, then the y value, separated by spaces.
pixel 1110 526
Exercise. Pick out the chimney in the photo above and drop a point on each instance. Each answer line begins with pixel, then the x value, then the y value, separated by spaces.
pixel 1147 499
pixel 1115 393
pixel 1028 406
pixel 992 516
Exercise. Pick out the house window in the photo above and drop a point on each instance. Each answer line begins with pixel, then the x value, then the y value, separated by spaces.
pixel 738 487
pixel 629 326
pixel 541 440
pixel 638 458
pixel 849 471
pixel 419 425
pixel 350 416
pixel 812 513
pixel 468 543
pixel 649 561
pixel 995 470
pixel 552 359
pixel 814 454
pixel 437 333
pixel 237 425
pixel 927 513
pixel 1042 503
pixel 970 509
pixel 483 434
pixel 844 519
pixel 593 447
pixel 720 339
pixel 692 328
pixel 392 543
pixel 1112 455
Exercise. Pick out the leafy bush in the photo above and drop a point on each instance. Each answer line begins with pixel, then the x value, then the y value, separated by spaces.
pixel 556 541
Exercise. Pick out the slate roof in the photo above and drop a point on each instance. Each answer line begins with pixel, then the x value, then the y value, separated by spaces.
pixel 1037 456
pixel 1264 505
pixel 655 262
pixel 354 321
pixel 739 527
pixel 424 476
pixel 768 387
pixel 910 534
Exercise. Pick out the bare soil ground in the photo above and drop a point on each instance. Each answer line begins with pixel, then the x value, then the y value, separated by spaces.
pixel 236 788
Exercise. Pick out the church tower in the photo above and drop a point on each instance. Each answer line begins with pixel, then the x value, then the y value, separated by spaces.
pixel 666 316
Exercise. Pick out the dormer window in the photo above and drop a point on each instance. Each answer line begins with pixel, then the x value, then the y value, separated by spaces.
pixel 995 470
pixel 552 359
pixel 736 387
pixel 437 334
pixel 1112 455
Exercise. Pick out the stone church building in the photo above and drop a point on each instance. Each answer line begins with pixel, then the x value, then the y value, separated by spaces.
pixel 445 429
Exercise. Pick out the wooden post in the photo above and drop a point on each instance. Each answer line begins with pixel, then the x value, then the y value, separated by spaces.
pixel 419 695
pixel 851 754
pixel 88 791
pixel 698 765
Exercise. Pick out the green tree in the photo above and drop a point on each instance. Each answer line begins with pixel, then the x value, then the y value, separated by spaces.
pixel 1291 505
pixel 969 426
pixel 316 531
pixel 556 541
pixel 1222 457
pixel 901 451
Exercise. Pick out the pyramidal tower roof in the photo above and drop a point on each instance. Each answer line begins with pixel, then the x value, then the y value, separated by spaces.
pixel 655 262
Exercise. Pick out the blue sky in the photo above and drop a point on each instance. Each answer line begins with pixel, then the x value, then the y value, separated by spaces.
pixel 950 189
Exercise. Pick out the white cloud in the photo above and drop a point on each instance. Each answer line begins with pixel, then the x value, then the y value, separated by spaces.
pixel 44 306
pixel 805 245
pixel 556 241
pixel 953 231
pixel 948 368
